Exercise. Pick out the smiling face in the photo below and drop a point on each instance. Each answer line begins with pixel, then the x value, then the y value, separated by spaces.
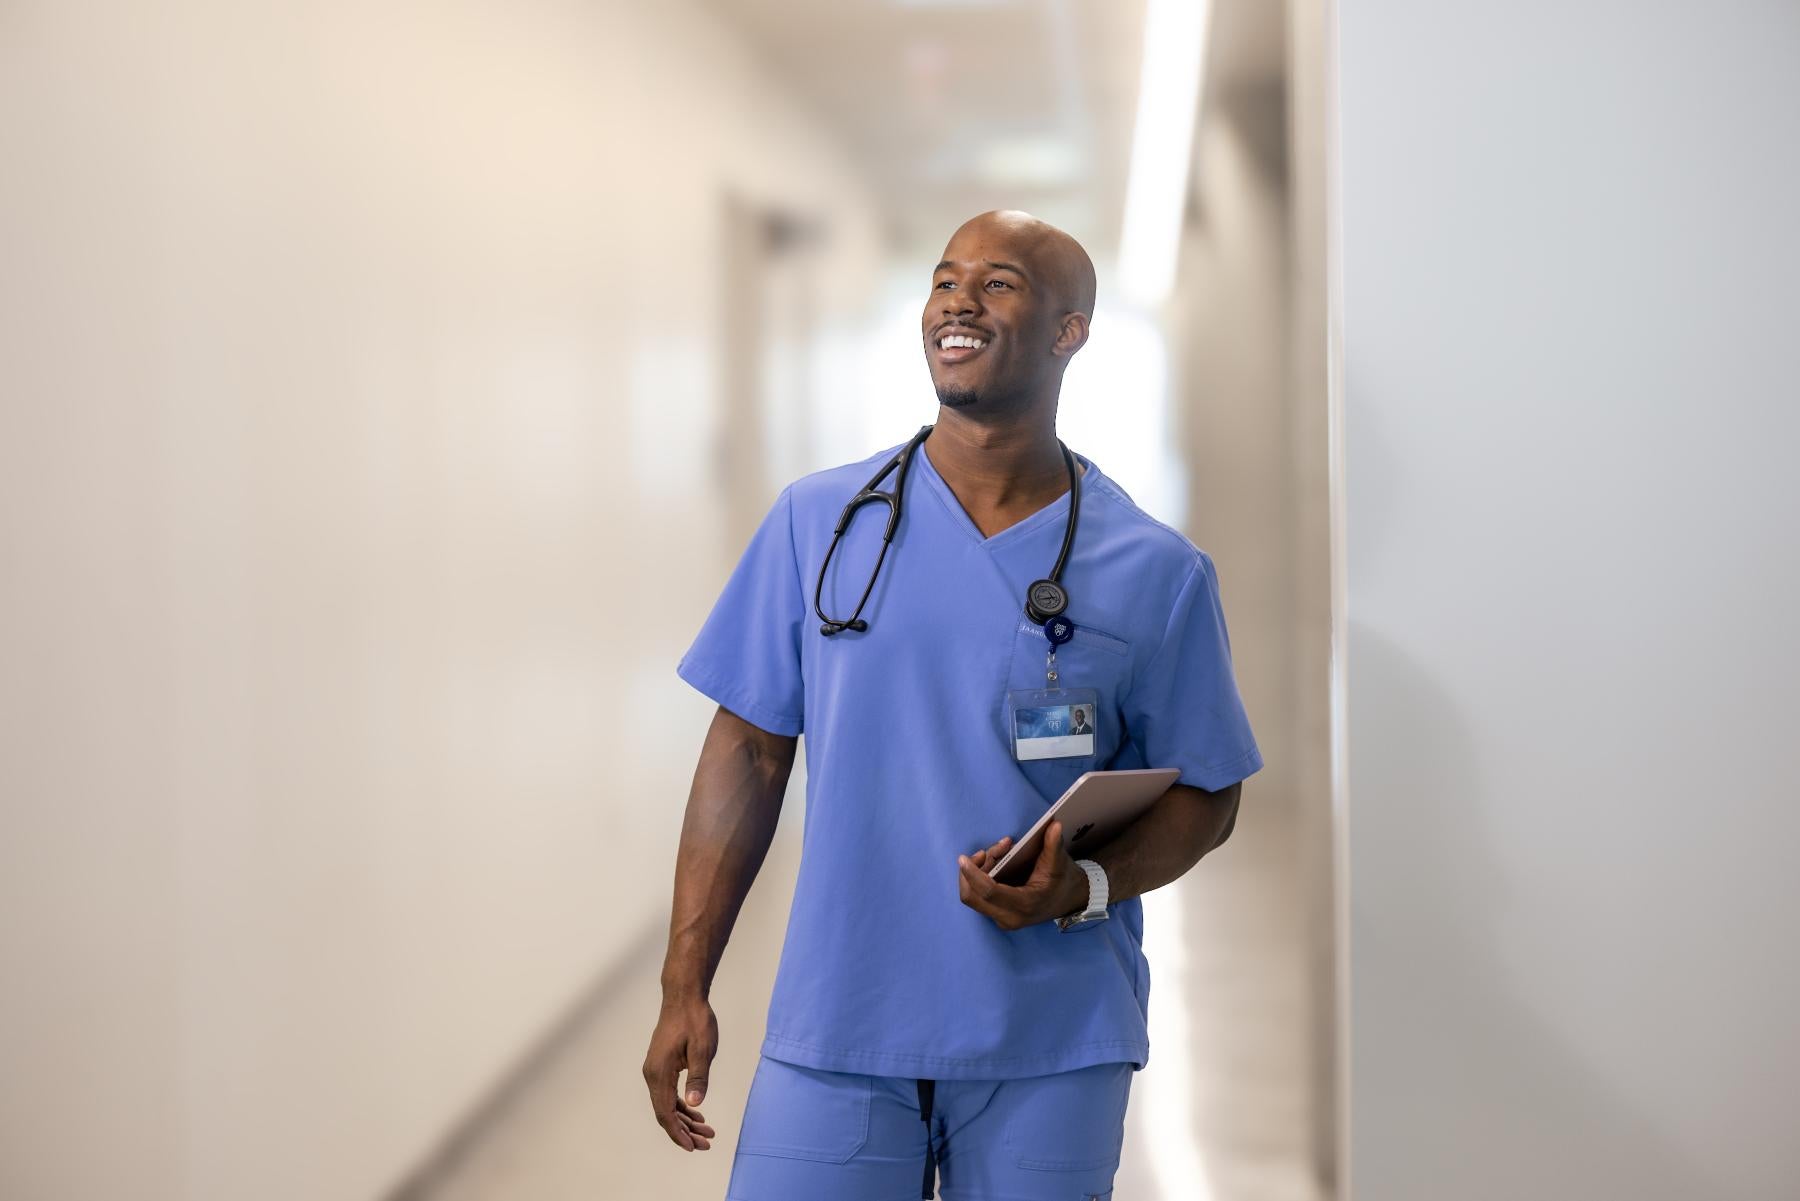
pixel 1009 305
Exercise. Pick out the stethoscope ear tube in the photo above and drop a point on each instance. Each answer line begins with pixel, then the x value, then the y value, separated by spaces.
pixel 868 495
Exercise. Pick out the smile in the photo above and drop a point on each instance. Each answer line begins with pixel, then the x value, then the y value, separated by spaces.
pixel 958 343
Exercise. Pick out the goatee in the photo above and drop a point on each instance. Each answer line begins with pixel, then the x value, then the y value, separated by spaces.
pixel 958 398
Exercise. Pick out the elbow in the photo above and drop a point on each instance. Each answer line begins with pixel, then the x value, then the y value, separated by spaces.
pixel 1227 799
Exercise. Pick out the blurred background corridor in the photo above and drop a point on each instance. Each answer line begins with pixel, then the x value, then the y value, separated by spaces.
pixel 417 374
pixel 387 388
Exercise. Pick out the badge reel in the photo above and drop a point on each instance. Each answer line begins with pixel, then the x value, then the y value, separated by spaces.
pixel 1053 722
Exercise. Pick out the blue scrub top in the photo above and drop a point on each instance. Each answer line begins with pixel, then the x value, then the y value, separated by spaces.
pixel 909 763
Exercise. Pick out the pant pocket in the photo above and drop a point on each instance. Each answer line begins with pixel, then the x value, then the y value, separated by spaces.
pixel 1071 1122
pixel 797 1112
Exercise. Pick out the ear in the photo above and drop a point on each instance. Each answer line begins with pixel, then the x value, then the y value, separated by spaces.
pixel 1071 336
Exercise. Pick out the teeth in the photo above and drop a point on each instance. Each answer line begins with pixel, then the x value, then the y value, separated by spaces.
pixel 962 340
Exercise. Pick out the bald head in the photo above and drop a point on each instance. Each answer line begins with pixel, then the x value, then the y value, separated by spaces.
pixel 1052 256
pixel 1009 307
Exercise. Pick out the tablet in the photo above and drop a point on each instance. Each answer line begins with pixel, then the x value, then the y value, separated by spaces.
pixel 1096 807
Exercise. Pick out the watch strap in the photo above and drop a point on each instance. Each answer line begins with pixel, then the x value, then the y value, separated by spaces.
pixel 1097 896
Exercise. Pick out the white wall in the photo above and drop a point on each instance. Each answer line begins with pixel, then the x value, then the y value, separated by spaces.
pixel 1570 373
pixel 357 404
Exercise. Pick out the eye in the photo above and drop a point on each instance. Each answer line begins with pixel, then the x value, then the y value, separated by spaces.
pixel 998 283
pixel 944 283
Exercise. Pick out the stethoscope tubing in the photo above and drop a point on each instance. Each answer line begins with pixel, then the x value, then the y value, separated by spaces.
pixel 1045 599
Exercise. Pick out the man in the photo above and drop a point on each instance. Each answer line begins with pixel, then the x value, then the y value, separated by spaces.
pixel 1080 723
pixel 925 1014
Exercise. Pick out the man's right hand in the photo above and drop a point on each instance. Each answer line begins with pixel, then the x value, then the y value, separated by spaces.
pixel 686 1037
pixel 731 816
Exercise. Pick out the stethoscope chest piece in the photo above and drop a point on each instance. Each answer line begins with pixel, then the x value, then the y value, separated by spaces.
pixel 1045 599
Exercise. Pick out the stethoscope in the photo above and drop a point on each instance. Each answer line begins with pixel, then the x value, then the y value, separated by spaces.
pixel 1045 600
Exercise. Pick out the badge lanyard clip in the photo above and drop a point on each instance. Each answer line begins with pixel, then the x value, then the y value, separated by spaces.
pixel 1057 631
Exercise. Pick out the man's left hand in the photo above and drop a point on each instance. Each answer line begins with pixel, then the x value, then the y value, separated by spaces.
pixel 1055 887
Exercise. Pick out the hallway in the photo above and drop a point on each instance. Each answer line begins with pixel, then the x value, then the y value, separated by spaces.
pixel 390 390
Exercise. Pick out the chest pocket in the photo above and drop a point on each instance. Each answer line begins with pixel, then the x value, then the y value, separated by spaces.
pixel 1092 659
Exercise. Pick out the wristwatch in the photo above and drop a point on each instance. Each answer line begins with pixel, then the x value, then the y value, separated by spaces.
pixel 1095 913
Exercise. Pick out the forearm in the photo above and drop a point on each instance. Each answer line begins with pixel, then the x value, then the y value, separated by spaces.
pixel 732 811
pixel 1183 825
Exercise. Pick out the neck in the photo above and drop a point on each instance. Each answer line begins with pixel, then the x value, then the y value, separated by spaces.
pixel 1001 472
pixel 1005 457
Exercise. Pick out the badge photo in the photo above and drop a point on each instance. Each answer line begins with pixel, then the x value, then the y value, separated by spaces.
pixel 1054 723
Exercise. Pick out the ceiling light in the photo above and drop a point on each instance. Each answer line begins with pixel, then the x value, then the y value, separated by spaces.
pixel 1156 189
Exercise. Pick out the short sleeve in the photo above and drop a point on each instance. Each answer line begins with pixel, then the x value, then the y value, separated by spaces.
pixel 1183 710
pixel 747 655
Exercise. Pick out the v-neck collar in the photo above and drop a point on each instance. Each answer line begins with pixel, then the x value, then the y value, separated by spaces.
pixel 959 517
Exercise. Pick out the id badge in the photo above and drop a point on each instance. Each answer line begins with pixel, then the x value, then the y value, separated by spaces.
pixel 1053 723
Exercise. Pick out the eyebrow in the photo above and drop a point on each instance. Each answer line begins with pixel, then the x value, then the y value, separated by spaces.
pixel 1012 267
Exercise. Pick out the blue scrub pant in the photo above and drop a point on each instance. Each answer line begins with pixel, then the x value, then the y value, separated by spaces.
pixel 812 1135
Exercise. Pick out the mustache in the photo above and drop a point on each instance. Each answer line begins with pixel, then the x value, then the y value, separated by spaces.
pixel 953 325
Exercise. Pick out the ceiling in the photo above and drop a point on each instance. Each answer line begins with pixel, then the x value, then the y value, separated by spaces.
pixel 952 107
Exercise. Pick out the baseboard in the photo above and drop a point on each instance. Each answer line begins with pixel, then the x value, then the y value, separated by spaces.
pixel 423 1181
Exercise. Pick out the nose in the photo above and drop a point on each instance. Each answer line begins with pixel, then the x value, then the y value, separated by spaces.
pixel 961 303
